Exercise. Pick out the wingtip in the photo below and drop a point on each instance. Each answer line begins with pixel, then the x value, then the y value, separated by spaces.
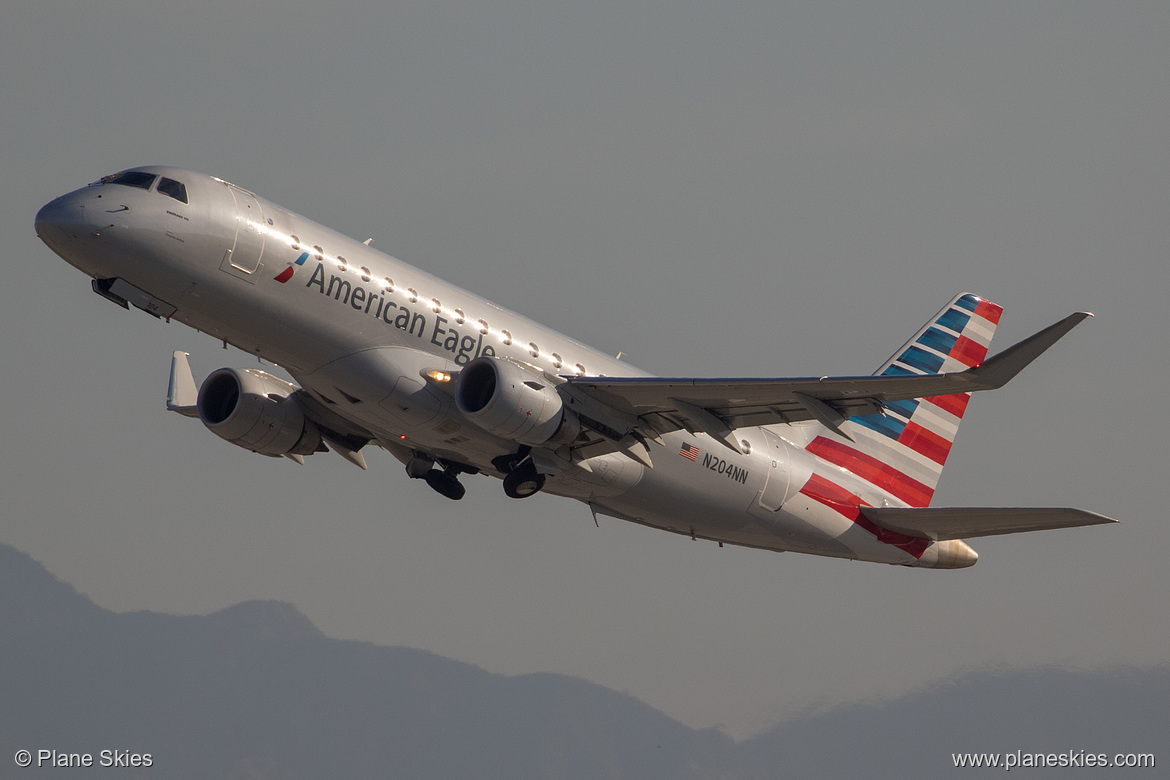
pixel 997 371
pixel 1102 519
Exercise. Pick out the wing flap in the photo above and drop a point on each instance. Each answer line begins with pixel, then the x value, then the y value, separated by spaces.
pixel 942 523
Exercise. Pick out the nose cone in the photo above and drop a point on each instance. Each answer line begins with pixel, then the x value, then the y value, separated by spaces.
pixel 59 221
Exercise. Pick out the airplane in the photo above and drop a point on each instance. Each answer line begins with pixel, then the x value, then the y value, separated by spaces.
pixel 451 384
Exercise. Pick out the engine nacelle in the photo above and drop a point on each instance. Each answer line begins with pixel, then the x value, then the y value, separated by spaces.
pixel 515 404
pixel 256 411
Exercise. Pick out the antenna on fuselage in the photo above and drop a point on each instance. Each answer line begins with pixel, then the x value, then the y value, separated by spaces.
pixel 368 241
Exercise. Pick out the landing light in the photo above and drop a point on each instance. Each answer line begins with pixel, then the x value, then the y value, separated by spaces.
pixel 438 376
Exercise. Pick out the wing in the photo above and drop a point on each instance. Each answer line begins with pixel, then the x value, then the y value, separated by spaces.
pixel 718 406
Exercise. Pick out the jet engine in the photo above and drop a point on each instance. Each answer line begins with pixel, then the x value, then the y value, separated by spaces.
pixel 514 403
pixel 256 411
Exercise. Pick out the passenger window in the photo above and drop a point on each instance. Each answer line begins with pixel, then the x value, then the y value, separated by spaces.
pixel 507 336
pixel 175 189
pixel 557 362
pixel 365 274
pixel 533 349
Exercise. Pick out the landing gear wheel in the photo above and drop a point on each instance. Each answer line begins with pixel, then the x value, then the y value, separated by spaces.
pixel 446 484
pixel 523 482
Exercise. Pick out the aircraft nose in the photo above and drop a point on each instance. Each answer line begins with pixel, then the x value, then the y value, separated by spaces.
pixel 58 221
pixel 69 221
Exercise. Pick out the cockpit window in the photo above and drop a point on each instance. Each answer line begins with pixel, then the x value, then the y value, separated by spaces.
pixel 175 189
pixel 138 179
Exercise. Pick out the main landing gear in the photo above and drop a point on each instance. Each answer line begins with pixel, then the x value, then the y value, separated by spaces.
pixel 521 479
pixel 444 481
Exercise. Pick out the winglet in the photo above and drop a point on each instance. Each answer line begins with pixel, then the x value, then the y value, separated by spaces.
pixel 182 393
pixel 997 371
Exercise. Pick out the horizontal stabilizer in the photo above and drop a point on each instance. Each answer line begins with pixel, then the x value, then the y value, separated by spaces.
pixel 967 522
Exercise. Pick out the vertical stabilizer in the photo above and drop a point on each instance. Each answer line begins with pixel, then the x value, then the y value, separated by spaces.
pixel 904 450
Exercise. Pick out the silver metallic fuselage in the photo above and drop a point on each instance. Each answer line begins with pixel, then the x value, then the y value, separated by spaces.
pixel 358 330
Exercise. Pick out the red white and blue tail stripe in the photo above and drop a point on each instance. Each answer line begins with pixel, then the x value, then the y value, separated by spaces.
pixel 904 450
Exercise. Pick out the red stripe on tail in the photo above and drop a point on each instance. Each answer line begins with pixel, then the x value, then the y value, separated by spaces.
pixel 988 311
pixel 968 352
pixel 842 501
pixel 925 442
pixel 872 470
pixel 953 404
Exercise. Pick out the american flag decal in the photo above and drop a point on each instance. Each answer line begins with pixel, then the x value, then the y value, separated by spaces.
pixel 689 451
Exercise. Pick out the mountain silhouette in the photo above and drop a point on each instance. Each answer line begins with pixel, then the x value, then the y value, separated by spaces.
pixel 257 691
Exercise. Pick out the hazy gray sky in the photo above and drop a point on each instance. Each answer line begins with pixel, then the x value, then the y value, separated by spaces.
pixel 715 189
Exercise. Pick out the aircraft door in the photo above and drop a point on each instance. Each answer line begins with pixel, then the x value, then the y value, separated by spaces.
pixel 775 491
pixel 243 258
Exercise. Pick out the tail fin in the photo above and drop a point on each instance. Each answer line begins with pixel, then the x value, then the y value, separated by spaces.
pixel 904 450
